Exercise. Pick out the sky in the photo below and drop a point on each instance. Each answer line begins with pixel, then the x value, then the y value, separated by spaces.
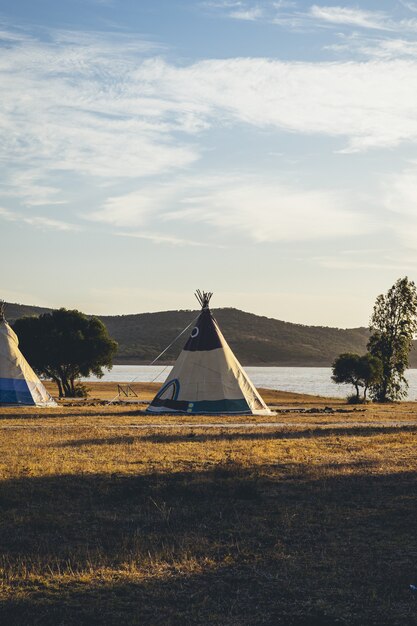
pixel 263 150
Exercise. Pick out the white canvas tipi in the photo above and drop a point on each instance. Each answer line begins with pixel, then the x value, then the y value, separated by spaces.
pixel 207 378
pixel 18 382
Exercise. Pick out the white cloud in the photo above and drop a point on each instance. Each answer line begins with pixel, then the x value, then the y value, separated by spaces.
pixel 260 209
pixel 352 17
pixel 371 104
pixel 252 14
pixel 99 108
pixel 267 211
pixel 71 105
pixel 132 209
pixel 284 4
pixel 81 104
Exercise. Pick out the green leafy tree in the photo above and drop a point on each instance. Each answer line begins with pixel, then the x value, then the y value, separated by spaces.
pixel 370 371
pixel 393 325
pixel 359 371
pixel 65 346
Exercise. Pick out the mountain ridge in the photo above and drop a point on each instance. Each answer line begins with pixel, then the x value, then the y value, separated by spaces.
pixel 255 339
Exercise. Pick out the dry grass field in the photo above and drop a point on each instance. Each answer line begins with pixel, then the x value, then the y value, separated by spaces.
pixel 110 516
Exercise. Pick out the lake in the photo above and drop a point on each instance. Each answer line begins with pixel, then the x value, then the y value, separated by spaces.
pixel 312 380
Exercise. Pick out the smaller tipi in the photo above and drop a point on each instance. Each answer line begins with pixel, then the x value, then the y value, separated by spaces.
pixel 18 382
pixel 207 378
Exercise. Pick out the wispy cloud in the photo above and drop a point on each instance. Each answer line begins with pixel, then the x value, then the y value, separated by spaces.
pixel 411 6
pixel 355 46
pixel 266 211
pixel 289 15
pixel 251 14
pixel 131 209
pixel 371 104
pixel 93 107
pixel 284 4
pixel 222 4
pixel 26 186
pixel 161 238
pixel 73 105
pixel 12 36
pixel 362 19
pixel 38 221
pixel 352 17
pixel 260 209
pixel 47 222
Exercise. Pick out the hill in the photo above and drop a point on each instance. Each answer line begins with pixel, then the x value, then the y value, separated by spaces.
pixel 255 339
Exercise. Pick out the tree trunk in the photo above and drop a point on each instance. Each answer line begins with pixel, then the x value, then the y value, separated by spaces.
pixel 357 392
pixel 66 387
pixel 383 397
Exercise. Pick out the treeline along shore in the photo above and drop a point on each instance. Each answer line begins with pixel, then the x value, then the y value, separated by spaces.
pixel 255 339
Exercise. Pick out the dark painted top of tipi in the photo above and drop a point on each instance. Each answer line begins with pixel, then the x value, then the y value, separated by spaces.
pixel 204 335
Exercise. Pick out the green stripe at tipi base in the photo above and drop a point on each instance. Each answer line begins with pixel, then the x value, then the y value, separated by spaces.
pixel 201 407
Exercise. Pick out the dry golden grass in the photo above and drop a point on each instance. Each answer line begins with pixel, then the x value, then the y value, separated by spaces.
pixel 313 522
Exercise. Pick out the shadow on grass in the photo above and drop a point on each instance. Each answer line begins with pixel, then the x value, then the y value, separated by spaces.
pixel 230 435
pixel 78 412
pixel 358 431
pixel 278 545
pixel 226 597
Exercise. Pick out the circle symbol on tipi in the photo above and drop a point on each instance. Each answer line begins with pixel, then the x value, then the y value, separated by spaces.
pixel 194 332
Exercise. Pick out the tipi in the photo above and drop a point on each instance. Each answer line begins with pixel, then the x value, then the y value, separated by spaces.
pixel 18 382
pixel 207 378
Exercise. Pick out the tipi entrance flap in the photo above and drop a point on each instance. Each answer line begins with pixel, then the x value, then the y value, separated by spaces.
pixel 212 377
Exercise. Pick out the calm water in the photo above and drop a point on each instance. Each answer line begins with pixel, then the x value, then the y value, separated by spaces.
pixel 313 380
